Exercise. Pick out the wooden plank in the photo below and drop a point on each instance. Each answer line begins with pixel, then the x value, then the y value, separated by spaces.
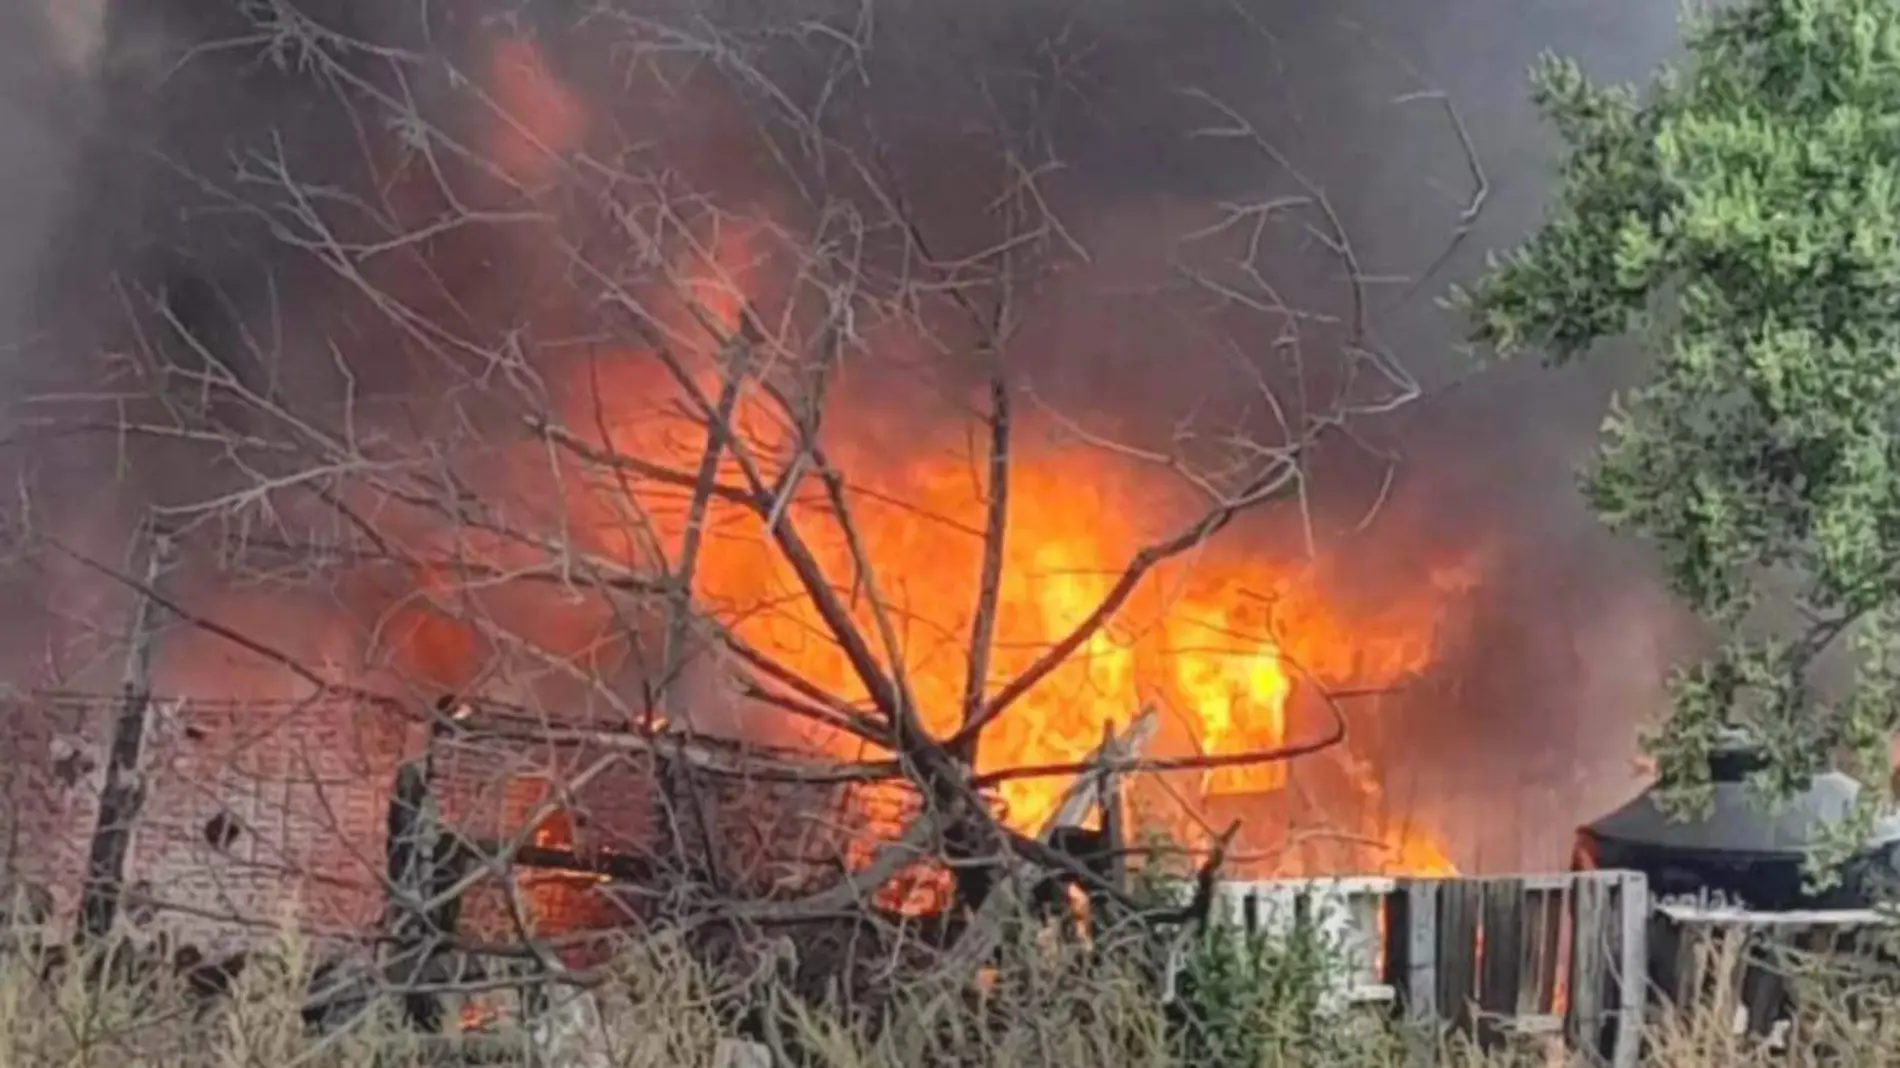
pixel 1550 913
pixel 1459 904
pixel 1764 988
pixel 1114 835
pixel 123 794
pixel 1632 970
pixel 1501 960
pixel 1530 960
pixel 1686 913
pixel 1589 960
pixel 619 866
pixel 1363 949
pixel 1396 958
pixel 1411 924
pixel 1672 961
pixel 1421 983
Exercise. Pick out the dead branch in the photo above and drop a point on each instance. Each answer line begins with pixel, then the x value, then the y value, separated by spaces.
pixel 211 626
pixel 358 461
pixel 907 729
pixel 704 482
pixel 879 686
pixel 1264 487
pixel 990 578
pixel 693 754
pixel 1199 762
pixel 853 894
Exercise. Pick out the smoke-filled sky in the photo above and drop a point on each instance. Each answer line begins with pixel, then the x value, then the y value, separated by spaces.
pixel 99 116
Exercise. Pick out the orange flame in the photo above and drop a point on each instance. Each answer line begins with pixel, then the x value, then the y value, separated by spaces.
pixel 1220 642
pixel 1224 644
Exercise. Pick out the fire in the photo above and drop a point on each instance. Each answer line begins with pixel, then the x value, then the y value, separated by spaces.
pixel 1222 644
pixel 1417 854
pixel 555 832
pixel 477 1017
pixel 1226 646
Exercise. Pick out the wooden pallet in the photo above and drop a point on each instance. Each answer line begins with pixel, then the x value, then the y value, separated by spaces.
pixel 1491 958
pixel 1740 961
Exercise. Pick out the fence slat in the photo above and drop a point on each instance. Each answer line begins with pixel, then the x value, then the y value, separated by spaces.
pixel 1459 903
pixel 1673 972
pixel 1632 973
pixel 1502 958
pixel 1411 924
pixel 1765 994
pixel 1550 913
pixel 1589 961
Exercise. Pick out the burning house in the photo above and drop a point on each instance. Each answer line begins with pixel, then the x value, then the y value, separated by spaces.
pixel 613 393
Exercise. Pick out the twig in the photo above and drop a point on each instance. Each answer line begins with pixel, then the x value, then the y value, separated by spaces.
pixel 990 578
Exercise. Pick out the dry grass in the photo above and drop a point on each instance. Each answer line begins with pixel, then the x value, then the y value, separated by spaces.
pixel 657 1007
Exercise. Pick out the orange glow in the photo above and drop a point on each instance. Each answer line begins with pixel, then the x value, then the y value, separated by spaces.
pixel 1223 645
pixel 555 832
pixel 436 649
pixel 476 1017
pixel 1415 853
pixel 538 117
pixel 1232 650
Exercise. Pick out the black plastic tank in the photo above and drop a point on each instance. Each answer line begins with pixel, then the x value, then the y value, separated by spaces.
pixel 1747 851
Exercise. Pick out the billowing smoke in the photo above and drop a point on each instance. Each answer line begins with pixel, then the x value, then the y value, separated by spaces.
pixel 48 98
pixel 130 207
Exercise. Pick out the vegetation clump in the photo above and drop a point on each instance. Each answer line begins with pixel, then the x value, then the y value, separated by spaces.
pixel 1739 218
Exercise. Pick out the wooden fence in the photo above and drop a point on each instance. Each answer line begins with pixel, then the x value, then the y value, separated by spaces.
pixel 1745 963
pixel 1497 959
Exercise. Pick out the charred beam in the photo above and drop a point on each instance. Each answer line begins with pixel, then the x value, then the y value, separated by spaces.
pixel 123 794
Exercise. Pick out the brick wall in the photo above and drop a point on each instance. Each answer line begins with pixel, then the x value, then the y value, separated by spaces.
pixel 305 785
pixel 307 788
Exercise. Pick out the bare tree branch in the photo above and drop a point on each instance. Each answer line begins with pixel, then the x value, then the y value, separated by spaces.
pixel 1275 479
pixel 990 579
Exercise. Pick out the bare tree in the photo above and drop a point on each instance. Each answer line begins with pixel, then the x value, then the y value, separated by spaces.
pixel 592 413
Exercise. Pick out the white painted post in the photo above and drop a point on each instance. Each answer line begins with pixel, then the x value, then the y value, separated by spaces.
pixel 1633 978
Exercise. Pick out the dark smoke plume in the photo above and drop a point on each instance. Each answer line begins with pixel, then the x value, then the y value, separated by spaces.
pixel 124 215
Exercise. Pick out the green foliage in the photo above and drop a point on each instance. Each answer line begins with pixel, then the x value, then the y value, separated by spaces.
pixel 1249 1000
pixel 1741 216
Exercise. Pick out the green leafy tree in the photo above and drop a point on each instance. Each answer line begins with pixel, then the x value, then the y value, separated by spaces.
pixel 1740 216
